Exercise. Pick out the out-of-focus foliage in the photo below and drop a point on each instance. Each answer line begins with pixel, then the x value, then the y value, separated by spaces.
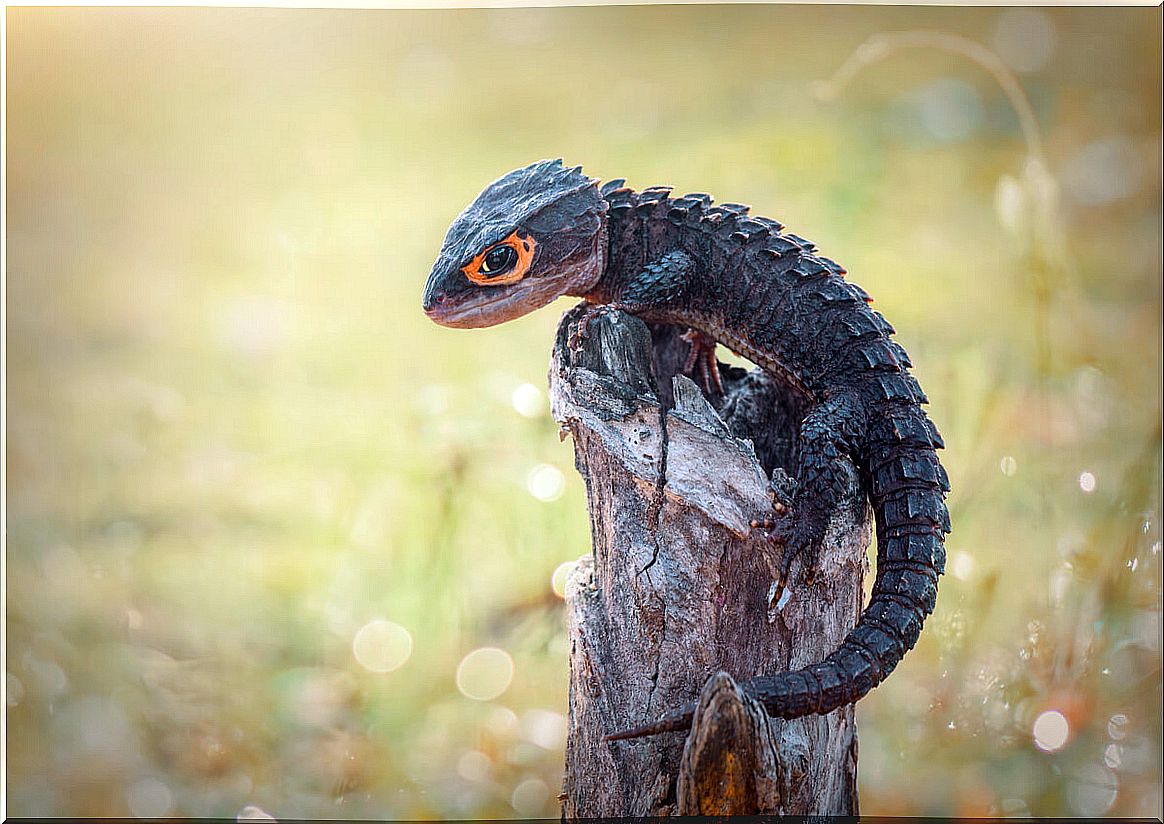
pixel 275 540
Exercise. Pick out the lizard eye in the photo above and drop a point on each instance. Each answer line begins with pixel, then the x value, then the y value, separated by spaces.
pixel 498 260
pixel 503 263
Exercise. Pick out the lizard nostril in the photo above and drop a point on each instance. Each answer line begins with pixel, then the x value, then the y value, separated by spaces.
pixel 434 300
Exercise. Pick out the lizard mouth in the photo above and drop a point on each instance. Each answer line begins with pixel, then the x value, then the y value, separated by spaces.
pixel 476 312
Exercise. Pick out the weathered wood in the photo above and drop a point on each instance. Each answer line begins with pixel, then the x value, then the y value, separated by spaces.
pixel 730 765
pixel 677 588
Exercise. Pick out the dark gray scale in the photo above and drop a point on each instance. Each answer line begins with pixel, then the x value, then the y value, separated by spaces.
pixel 736 208
pixel 831 290
pixel 901 388
pixel 773 226
pixel 662 281
pixel 924 549
pixel 911 505
pixel 832 688
pixel 882 646
pixel 747 230
pixel 832 266
pixel 715 215
pixel 799 695
pixel 646 207
pixel 881 453
pixel 921 587
pixel 885 326
pixel 801 243
pixel 653 194
pixel 859 326
pixel 903 616
pixel 847 341
pixel 621 203
pixel 680 210
pixel 662 234
pixel 697 201
pixel 907 467
pixel 907 426
pixel 624 239
pixel 727 227
pixel 783 246
pixel 900 353
pixel 860 673
pixel 809 268
pixel 813 307
pixel 877 356
pixel 936 440
pixel 762 297
pixel 787 695
pixel 886 644
pixel 856 359
pixel 612 186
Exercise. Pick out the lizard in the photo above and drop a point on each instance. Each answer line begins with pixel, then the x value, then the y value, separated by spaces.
pixel 548 230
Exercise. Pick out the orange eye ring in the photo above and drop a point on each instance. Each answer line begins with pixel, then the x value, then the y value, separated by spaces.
pixel 523 246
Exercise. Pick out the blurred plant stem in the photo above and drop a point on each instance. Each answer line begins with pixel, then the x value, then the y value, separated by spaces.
pixel 880 46
pixel 1027 205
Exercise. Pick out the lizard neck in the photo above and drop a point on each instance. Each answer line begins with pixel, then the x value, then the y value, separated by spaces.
pixel 625 250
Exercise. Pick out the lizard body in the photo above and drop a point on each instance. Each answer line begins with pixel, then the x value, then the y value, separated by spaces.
pixel 548 230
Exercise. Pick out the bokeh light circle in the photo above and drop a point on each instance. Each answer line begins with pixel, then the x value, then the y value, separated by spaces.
pixel 528 401
pixel 545 482
pixel 474 765
pixel 149 798
pixel 561 575
pixel 529 797
pixel 1093 791
pixel 1051 731
pixel 382 646
pixel 485 673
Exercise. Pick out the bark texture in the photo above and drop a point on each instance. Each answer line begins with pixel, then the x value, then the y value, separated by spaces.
pixel 673 603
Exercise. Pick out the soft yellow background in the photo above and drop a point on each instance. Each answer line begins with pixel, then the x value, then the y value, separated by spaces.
pixel 233 440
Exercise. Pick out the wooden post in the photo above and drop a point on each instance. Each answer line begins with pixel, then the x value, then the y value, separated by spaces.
pixel 673 603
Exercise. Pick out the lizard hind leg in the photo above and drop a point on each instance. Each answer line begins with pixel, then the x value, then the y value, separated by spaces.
pixel 828 437
pixel 791 537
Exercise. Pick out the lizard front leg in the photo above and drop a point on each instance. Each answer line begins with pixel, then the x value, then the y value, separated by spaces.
pixel 648 292
pixel 829 435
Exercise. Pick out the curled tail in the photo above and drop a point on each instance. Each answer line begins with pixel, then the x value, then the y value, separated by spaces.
pixel 907 487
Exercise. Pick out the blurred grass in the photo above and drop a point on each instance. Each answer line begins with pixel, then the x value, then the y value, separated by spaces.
pixel 233 440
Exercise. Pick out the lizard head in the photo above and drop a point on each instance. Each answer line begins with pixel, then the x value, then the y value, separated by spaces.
pixel 532 236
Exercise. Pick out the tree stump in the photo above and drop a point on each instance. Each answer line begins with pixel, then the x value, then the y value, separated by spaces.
pixel 673 603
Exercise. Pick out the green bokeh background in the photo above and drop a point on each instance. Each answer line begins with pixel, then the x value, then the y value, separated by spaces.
pixel 233 440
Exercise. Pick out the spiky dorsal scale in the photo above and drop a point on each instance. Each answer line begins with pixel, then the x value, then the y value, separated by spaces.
pixel 611 186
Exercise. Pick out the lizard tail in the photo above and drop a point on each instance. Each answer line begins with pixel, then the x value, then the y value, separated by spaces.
pixel 674 722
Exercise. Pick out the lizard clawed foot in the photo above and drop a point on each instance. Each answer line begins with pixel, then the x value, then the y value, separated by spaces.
pixel 794 540
pixel 793 549
pixel 702 354
pixel 769 524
